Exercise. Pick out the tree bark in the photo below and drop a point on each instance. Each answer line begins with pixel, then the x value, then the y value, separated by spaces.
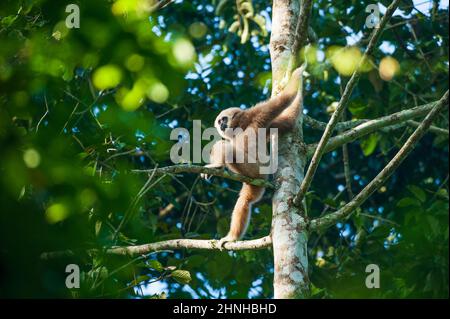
pixel 289 233
pixel 140 250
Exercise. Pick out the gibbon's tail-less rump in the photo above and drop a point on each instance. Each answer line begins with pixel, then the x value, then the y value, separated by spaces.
pixel 248 195
pixel 278 112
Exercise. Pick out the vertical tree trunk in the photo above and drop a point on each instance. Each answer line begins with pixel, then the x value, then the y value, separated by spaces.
pixel 289 233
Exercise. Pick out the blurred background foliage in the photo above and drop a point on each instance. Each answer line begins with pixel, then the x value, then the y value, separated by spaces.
pixel 81 108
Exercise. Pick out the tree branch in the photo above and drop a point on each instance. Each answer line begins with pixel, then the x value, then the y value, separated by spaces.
pixel 302 33
pixel 370 126
pixel 434 129
pixel 341 105
pixel 197 169
pixel 286 52
pixel 137 250
pixel 163 212
pixel 341 126
pixel 380 179
pixel 347 125
pixel 346 162
pixel 301 30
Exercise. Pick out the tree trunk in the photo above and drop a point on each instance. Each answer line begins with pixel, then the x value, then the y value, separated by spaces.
pixel 289 233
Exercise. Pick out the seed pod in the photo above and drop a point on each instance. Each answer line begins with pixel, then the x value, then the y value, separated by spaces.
pixel 234 27
pixel 246 8
pixel 245 32
pixel 261 22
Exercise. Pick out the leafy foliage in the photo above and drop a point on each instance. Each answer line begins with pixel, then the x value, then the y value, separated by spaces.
pixel 82 108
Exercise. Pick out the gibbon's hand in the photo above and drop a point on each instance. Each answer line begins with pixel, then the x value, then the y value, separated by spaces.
pixel 205 176
pixel 212 165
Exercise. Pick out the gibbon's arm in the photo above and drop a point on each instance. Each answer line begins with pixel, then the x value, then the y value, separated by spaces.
pixel 217 156
pixel 263 113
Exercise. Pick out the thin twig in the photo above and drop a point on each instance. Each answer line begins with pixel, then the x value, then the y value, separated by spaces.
pixel 347 174
pixel 134 202
pixel 380 179
pixel 434 129
pixel 341 106
pixel 45 114
pixel 166 210
pixel 379 218
pixel 301 33
pixel 197 169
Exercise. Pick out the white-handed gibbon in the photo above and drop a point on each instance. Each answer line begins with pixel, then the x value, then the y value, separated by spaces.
pixel 278 112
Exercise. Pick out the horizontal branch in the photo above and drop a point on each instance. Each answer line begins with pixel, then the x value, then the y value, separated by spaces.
pixel 347 125
pixel 138 250
pixel 197 169
pixel 370 126
pixel 341 126
pixel 380 179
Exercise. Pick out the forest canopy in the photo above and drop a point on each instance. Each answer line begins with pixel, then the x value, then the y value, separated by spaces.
pixel 86 114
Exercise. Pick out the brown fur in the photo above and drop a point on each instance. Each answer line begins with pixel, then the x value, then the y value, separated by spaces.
pixel 286 120
pixel 248 195
pixel 279 112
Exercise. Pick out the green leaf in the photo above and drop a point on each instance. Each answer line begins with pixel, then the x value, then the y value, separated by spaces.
pixel 434 224
pixel 195 261
pixel 442 193
pixel 418 192
pixel 330 202
pixel 154 264
pixel 315 291
pixel 100 273
pixel 438 207
pixel 407 201
pixel 98 226
pixel 182 276
pixel 9 20
pixel 369 144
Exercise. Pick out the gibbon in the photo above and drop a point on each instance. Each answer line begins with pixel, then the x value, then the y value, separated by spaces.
pixel 278 112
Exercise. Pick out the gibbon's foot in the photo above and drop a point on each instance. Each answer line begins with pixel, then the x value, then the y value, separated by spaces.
pixel 224 240
pixel 205 176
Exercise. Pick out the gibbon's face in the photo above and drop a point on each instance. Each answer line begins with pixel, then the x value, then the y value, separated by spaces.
pixel 224 120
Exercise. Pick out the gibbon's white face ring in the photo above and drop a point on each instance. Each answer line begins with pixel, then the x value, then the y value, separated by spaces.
pixel 223 121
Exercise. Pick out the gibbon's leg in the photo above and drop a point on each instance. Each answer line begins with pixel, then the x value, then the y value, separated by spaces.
pixel 217 156
pixel 264 113
pixel 286 120
pixel 240 218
